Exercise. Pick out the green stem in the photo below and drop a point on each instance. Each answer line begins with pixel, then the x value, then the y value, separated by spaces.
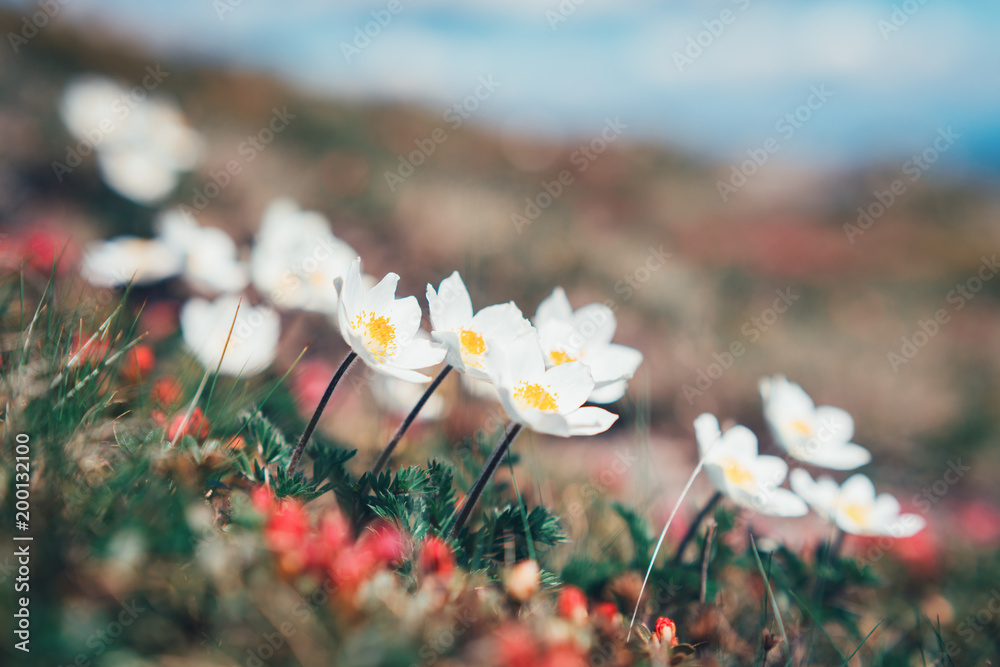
pixel 299 448
pixel 390 448
pixel 693 528
pixel 484 478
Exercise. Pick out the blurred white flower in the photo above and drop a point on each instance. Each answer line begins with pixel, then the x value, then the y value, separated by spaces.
pixel 546 401
pixel 468 337
pixel 205 326
pixel 125 259
pixel 142 146
pixel 398 398
pixel 854 507
pixel 211 259
pixel 817 435
pixel 741 474
pixel 585 336
pixel 296 258
pixel 382 329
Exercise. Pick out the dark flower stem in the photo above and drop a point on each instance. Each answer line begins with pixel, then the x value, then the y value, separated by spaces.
pixel 693 528
pixel 484 478
pixel 306 434
pixel 391 447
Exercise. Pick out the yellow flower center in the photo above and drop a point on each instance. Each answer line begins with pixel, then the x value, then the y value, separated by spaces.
pixel 377 333
pixel 857 513
pixel 535 396
pixel 473 346
pixel 737 474
pixel 559 357
pixel 801 427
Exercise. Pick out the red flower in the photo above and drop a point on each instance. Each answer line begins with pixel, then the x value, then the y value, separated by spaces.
pixel 608 613
pixel 42 248
pixel 385 544
pixel 196 426
pixel 665 631
pixel 516 647
pixel 139 362
pixel 286 533
pixel 436 557
pixel 262 499
pixel 979 522
pixel 166 393
pixel 333 535
pixel 573 604
pixel 158 320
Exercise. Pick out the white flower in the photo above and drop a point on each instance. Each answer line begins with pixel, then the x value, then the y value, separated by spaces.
pixel 854 507
pixel 297 258
pixel 585 336
pixel 741 474
pixel 468 337
pixel 142 145
pixel 546 401
pixel 817 435
pixel 205 326
pixel 382 329
pixel 125 259
pixel 210 254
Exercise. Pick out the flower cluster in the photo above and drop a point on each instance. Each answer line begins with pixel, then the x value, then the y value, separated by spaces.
pixel 326 548
pixel 818 436
pixel 541 386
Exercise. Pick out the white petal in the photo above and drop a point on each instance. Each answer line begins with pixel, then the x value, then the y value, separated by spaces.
pixel 783 503
pixel 571 384
pixel 418 353
pixel 847 456
pixel 857 490
pixel 609 393
pixel 833 424
pixel 595 324
pixel 351 295
pixel 611 363
pixel 707 432
pixel 450 306
pixel 379 298
pixel 590 421
pixel 555 307
pixel 405 315
pixel 738 442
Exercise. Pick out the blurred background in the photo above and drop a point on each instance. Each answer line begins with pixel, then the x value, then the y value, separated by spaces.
pixel 810 183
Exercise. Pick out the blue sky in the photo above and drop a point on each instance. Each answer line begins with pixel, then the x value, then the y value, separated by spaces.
pixel 892 84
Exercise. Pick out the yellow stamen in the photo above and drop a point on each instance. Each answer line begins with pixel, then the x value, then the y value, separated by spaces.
pixel 378 334
pixel 535 396
pixel 801 427
pixel 473 346
pixel 560 357
pixel 857 513
pixel 736 474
